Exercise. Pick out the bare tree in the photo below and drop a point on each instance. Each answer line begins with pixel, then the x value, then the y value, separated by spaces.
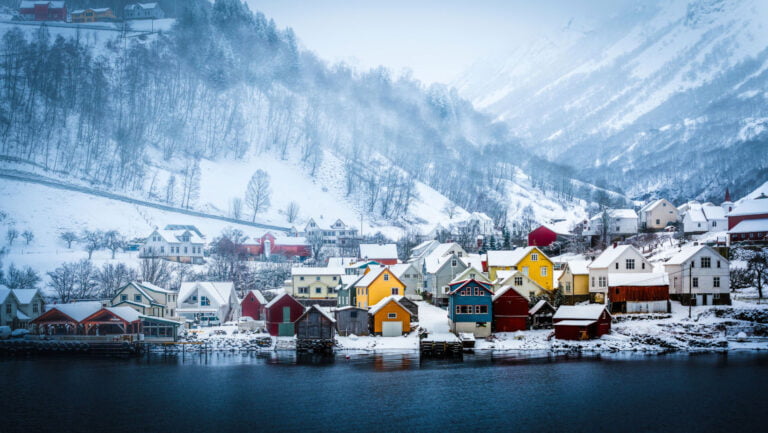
pixel 68 237
pixel 92 241
pixel 757 266
pixel 258 192
pixel 112 277
pixel 156 271
pixel 11 235
pixel 450 209
pixel 170 190
pixel 292 212
pixel 236 208
pixel 73 281
pixel 114 241
pixel 17 278
pixel 316 243
pixel 28 236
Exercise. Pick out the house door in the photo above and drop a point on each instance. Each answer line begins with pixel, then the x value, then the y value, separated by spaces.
pixel 285 330
pixel 391 329
pixel 699 300
pixel 286 314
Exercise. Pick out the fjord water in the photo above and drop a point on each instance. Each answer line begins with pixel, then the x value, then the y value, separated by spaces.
pixel 385 392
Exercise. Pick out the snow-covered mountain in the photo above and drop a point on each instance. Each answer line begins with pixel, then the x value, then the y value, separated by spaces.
pixel 666 98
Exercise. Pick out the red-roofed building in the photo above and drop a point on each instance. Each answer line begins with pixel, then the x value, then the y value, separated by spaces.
pixel 43 10
pixel 269 245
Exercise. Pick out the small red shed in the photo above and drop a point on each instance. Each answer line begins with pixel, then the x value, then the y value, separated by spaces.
pixel 581 322
pixel 510 310
pixel 545 235
pixel 281 313
pixel 253 305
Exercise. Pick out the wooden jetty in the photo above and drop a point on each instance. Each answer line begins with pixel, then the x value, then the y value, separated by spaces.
pixel 70 347
pixel 440 346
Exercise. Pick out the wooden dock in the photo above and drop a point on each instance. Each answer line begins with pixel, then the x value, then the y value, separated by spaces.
pixel 70 347
pixel 440 346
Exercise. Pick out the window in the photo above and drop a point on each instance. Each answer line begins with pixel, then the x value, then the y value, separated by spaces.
pixel 395 291
pixel 353 314
pixel 391 315
pixel 301 278
pixel 386 277
pixel 658 221
pixel 693 264
pixel 642 265
pixel 718 264
pixel 706 262
pixel 531 294
pixel 695 281
pixel 602 281
pixel 567 287
pixel 185 250
pixel 303 290
pixel 35 308
pixel 481 309
pixel 8 308
pixel 123 297
pixel 534 257
pixel 317 278
pixel 137 298
pixel 454 263
pixel 716 282
pixel 335 278
pixel 204 300
pixel 162 249
pixel 518 281
pixel 714 223
pixel 630 264
pixel 472 275
pixel 543 271
pixel 593 281
pixel 617 265
pixel 318 290
pixel 525 270
pixel 458 309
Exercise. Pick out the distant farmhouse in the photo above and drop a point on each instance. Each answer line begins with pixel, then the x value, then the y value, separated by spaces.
pixel 43 10
pixel 138 11
pixel 92 15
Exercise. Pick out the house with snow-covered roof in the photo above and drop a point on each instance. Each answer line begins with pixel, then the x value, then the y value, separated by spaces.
pixel 252 305
pixel 315 282
pixel 748 221
pixel 146 298
pixel 614 260
pixel 702 218
pixel 92 15
pixel 389 317
pixel 658 214
pixel 65 319
pixel 43 10
pixel 9 307
pixel 531 261
pixel 386 254
pixel 581 322
pixel 700 275
pixel 547 234
pixel 182 245
pixel 338 234
pixel 377 284
pixel 139 11
pixel 440 267
pixel 522 283
pixel 470 308
pixel 198 299
pixel 574 281
pixel 620 222
pixel 30 305
pixel 268 245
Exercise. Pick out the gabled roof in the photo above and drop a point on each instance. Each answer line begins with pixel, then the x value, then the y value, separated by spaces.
pixel 750 226
pixel 499 293
pixel 580 312
pixel 277 298
pixel 320 310
pixel 400 269
pixel 24 296
pixel 750 207
pixel 149 286
pixel 616 213
pixel 689 251
pixel 174 236
pixel 220 291
pixel 374 273
pixel 610 255
pixel 31 4
pixel 579 267
pixel 473 260
pixel 78 311
pixel 464 276
pixel 340 262
pixel 4 293
pixel 259 296
pixel 511 257
pixel 455 287
pixel 539 305
pixel 713 212
pixel 378 251
pixel 126 313
pixel 381 304
pixel 435 259
pixel 510 279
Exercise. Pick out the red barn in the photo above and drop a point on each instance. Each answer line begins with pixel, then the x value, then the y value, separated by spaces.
pixel 510 310
pixel 581 322
pixel 281 313
pixel 253 305
pixel 748 221
pixel 269 245
pixel 645 292
pixel 545 235
pixel 43 10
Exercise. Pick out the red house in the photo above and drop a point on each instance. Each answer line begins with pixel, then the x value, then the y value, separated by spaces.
pixel 43 10
pixel 748 221
pixel 510 310
pixel 386 254
pixel 253 305
pixel 545 235
pixel 581 322
pixel 269 245
pixel 281 313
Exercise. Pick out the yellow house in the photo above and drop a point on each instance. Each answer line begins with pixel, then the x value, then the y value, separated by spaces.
pixel 390 318
pixel 147 299
pixel 574 282
pixel 377 284
pixel 315 283
pixel 91 15
pixel 529 260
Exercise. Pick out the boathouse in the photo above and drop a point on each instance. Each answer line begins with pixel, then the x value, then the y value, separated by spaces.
pixel 281 313
pixel 581 322
pixel 351 320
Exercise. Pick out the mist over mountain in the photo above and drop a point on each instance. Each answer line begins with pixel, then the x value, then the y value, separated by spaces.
pixel 662 99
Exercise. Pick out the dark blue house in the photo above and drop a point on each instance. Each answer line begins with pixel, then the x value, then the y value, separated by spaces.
pixel 470 304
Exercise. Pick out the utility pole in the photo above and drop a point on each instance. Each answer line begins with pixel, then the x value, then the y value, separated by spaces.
pixel 690 289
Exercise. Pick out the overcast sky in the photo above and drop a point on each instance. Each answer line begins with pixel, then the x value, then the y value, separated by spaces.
pixel 435 39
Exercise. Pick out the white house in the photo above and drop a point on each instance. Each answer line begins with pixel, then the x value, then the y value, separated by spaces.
pixel 30 304
pixel 614 260
pixel 658 214
pixel 621 222
pixel 338 234
pixel 9 306
pixel 207 299
pixel 182 245
pixel 699 272
pixel 702 218
pixel 136 11
pixel 440 267
pixel 146 298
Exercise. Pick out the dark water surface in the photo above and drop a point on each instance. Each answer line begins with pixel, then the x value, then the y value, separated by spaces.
pixel 386 393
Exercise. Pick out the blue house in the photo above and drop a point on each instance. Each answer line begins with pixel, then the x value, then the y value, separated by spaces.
pixel 470 305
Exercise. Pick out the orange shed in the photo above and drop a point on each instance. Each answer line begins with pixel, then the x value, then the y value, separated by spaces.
pixel 389 318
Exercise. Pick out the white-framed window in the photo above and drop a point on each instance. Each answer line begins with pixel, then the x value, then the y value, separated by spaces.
pixel 454 263
pixel 518 281
pixel 534 257
pixel 458 309
pixel 391 315
pixel 472 275
pixel 630 263
pixel 617 265
pixel 716 282
pixel 706 262
pixel 593 281
pixel 525 270
pixel 386 277
pixel 695 281
pixel 543 271
pixel 395 291
pixel 567 287
pixel 303 290
pixel 318 290
pixel 481 309
pixel 602 281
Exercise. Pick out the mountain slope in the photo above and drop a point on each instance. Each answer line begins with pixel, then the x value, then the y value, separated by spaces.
pixel 664 99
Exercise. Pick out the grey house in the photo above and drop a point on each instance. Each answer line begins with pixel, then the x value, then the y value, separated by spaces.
pixel 138 11
pixel 351 320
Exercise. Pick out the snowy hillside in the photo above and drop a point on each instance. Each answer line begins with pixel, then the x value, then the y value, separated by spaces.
pixel 668 95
